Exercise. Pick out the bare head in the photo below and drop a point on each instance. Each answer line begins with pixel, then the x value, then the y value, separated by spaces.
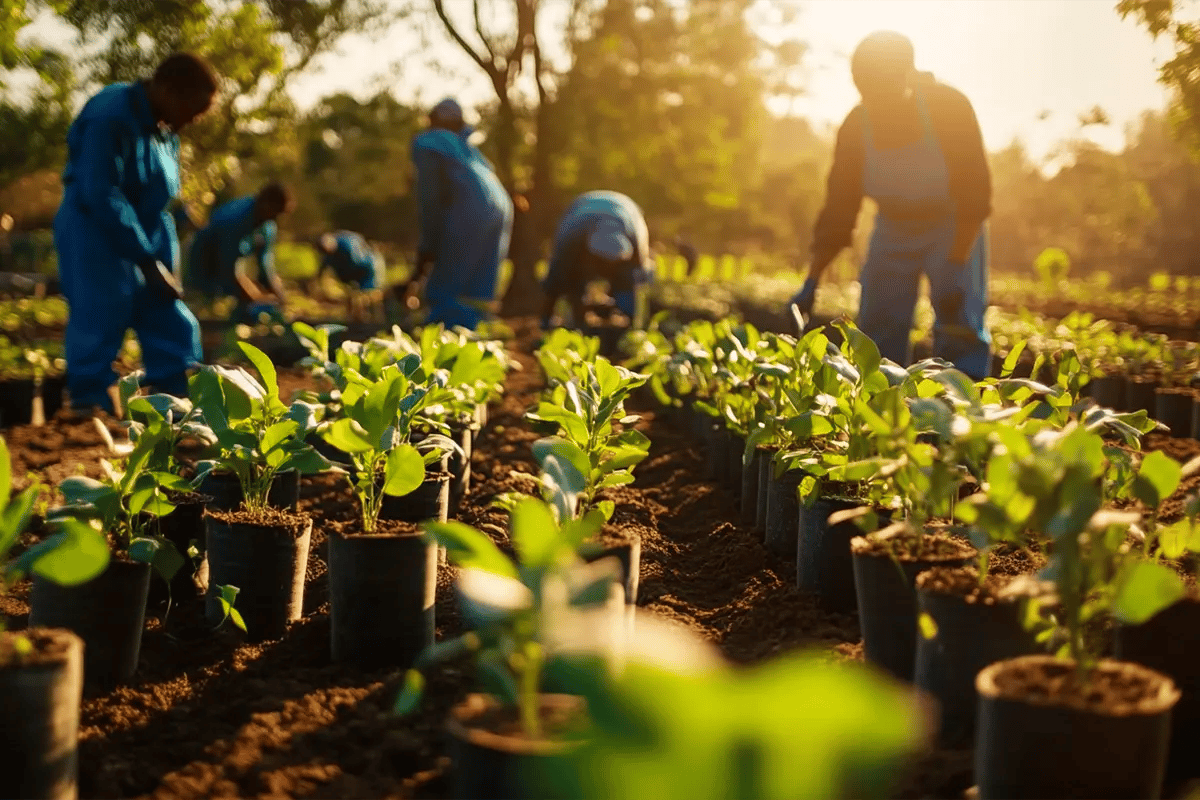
pixel 182 90
pixel 883 68
pixel 271 201
pixel 448 115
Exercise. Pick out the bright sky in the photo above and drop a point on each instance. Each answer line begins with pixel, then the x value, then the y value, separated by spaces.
pixel 1013 58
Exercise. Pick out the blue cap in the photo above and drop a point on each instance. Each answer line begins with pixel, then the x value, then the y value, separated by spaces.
pixel 608 241
pixel 448 110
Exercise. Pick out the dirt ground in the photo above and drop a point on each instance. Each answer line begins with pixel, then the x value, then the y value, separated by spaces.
pixel 211 716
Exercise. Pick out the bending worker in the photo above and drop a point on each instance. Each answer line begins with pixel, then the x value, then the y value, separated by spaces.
pixel 913 146
pixel 466 221
pixel 602 236
pixel 356 264
pixel 116 241
pixel 241 228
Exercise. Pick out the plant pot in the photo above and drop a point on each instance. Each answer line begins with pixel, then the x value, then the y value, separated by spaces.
pixel 266 558
pixel 887 598
pixel 701 426
pixel 181 527
pixel 429 501
pixel 749 493
pixel 716 442
pixel 1173 408
pixel 1139 395
pixel 381 596
pixel 1039 747
pixel 52 394
pixel 974 628
pixel 39 718
pixel 1108 391
pixel 1196 417
pixel 766 473
pixel 824 567
pixel 460 465
pixel 16 401
pixel 783 513
pixel 628 553
pixel 494 766
pixel 108 613
pixel 1169 642
pixel 226 492
pixel 735 451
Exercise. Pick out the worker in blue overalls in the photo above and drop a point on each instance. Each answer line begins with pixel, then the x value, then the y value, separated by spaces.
pixel 116 241
pixel 241 228
pixel 356 264
pixel 914 147
pixel 602 237
pixel 466 221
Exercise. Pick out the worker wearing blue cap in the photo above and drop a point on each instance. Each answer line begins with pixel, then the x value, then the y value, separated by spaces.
pixel 602 236
pixel 914 146
pixel 466 221
pixel 116 240
pixel 241 228
pixel 355 263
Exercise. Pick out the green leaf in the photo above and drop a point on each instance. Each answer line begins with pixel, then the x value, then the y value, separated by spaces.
pixel 405 471
pixel 1143 590
pixel 927 625
pixel 534 533
pixel 959 386
pixel 409 699
pixel 349 437
pixel 1157 478
pixel 864 352
pixel 616 479
pixel 468 547
pixel 1011 360
pixel 5 475
pixel 167 559
pixel 77 553
pixel 278 434
pixel 143 549
pixel 266 370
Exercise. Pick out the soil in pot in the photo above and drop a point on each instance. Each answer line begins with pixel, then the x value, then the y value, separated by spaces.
pixel 183 527
pixel 1169 642
pixel 1108 391
pixel 265 555
pixel 627 548
pixel 226 492
pixel 783 513
pixel 1173 408
pixel 824 567
pixel 1140 395
pixel 887 598
pixel 381 592
pixel 39 718
pixel 493 759
pixel 973 626
pixel 108 613
pixel 749 494
pixel 16 401
pixel 1042 733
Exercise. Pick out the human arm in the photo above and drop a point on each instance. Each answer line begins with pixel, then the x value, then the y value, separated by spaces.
pixel 834 229
pixel 431 204
pixel 562 273
pixel 966 162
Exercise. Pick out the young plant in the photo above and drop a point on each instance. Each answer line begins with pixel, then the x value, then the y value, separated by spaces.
pixel 257 436
pixel 505 602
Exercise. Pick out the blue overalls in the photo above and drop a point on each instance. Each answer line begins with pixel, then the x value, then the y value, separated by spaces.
pixel 354 261
pixel 122 172
pixel 914 229
pixel 466 221
pixel 230 234
pixel 592 209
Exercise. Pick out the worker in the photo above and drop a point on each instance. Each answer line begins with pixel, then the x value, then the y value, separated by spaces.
pixel 241 228
pixel 602 236
pixel 913 145
pixel 466 219
pixel 357 264
pixel 115 239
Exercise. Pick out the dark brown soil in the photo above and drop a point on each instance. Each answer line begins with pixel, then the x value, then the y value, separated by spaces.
pixel 47 646
pixel 213 716
pixel 964 582
pixel 936 547
pixel 559 715
pixel 1113 687
pixel 352 529
pixel 284 522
